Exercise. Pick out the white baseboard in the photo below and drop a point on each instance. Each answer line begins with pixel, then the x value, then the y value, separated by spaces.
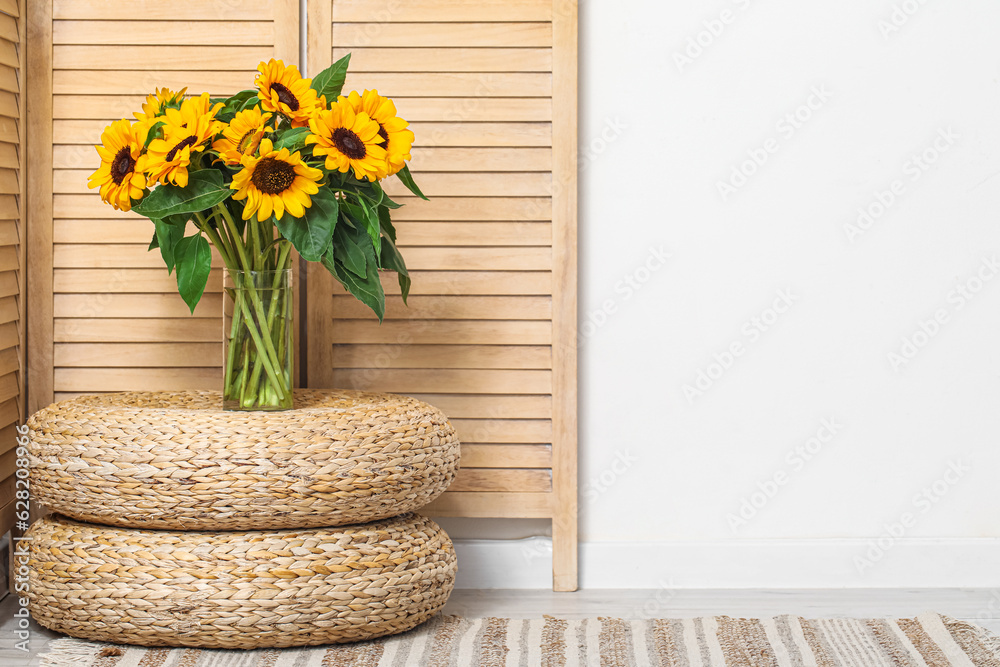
pixel 815 563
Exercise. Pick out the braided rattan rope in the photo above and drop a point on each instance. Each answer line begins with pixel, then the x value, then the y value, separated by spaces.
pixel 177 460
pixel 238 589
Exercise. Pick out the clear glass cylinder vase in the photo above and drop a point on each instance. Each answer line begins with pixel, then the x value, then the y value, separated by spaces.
pixel 257 340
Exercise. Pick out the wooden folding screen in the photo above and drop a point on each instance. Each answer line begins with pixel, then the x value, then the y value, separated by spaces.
pixel 104 314
pixel 489 335
pixel 12 279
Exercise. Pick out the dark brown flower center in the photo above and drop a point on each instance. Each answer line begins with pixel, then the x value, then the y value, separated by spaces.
pixel 285 96
pixel 190 141
pixel 348 143
pixel 272 176
pixel 244 142
pixel 122 165
pixel 385 136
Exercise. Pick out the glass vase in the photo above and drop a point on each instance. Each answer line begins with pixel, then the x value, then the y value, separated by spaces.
pixel 257 340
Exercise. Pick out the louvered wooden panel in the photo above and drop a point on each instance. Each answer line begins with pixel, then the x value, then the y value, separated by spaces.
pixel 490 90
pixel 105 314
pixel 12 226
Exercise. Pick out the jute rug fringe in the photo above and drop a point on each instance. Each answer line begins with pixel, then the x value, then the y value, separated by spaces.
pixel 71 651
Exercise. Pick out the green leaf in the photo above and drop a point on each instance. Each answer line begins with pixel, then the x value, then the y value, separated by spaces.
pixel 373 227
pixel 293 140
pixel 154 244
pixel 167 235
pixel 367 290
pixel 330 82
pixel 153 133
pixel 204 190
pixel 311 233
pixel 193 256
pixel 391 258
pixel 347 250
pixel 407 178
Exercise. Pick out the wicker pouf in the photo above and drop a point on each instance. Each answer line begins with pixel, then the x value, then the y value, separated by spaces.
pixel 176 460
pixel 238 589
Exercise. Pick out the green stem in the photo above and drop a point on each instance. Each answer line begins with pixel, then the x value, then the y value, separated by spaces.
pixel 265 347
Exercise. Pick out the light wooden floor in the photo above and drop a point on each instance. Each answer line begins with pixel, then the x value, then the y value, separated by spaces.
pixel 981 606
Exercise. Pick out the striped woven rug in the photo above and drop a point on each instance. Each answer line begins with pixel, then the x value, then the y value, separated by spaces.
pixel 929 640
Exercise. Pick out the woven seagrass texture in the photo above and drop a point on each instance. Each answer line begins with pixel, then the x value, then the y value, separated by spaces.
pixel 176 460
pixel 238 589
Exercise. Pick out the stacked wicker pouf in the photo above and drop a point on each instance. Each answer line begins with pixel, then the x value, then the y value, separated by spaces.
pixel 179 524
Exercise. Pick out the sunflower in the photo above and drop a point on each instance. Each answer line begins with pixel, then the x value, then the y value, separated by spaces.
pixel 156 103
pixel 275 182
pixel 242 135
pixel 348 139
pixel 396 139
pixel 283 90
pixel 185 131
pixel 120 175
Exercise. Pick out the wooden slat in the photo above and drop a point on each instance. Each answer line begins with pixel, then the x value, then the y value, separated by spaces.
pixel 148 355
pixel 190 58
pixel 347 11
pixel 68 281
pixel 506 456
pixel 114 10
pixel 489 184
pixel 151 330
pixel 406 381
pixel 447 60
pixel 491 505
pixel 446 332
pixel 8 309
pixel 480 159
pixel 124 230
pixel 455 308
pixel 163 33
pixel 494 480
pixel 134 305
pixel 137 379
pixel 109 255
pixel 504 431
pixel 490 406
pixel 9 233
pixel 454 84
pixel 472 283
pixel 524 357
pixel 443 35
pixel 114 82
pixel 437 234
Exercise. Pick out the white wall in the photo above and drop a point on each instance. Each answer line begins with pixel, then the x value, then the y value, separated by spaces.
pixel 670 135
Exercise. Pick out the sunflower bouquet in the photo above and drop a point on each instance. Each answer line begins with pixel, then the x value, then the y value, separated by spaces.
pixel 289 164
